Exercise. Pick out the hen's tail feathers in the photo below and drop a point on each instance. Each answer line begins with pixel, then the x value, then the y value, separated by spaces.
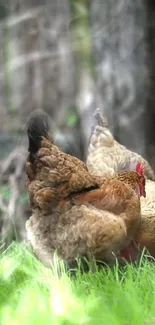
pixel 38 127
pixel 100 141
pixel 100 119
pixel 101 134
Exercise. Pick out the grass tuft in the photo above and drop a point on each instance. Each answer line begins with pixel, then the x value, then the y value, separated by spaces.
pixel 33 294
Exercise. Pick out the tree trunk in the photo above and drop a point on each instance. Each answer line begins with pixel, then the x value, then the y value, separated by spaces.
pixel 120 48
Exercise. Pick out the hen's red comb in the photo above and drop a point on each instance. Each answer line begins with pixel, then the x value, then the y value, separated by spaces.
pixel 140 169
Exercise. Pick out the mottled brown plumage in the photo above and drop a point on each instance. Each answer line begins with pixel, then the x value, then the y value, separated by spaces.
pixel 101 224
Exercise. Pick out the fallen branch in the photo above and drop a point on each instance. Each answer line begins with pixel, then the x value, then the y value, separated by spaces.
pixel 13 216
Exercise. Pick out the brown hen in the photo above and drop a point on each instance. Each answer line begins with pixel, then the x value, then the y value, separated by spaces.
pixel 107 156
pixel 75 213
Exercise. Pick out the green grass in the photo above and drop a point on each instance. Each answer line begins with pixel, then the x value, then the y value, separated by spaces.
pixel 32 294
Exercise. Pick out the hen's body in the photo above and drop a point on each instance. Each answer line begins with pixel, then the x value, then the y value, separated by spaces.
pixel 75 213
pixel 107 156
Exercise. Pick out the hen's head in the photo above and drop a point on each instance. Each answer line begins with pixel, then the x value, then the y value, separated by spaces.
pixel 135 177
pixel 140 172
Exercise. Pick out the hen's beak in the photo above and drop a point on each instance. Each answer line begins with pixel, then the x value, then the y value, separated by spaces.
pixel 144 194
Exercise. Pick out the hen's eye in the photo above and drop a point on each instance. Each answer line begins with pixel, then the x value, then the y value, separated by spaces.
pixel 137 190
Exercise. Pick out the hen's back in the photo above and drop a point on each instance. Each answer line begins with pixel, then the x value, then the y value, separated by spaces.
pixel 106 156
pixel 52 174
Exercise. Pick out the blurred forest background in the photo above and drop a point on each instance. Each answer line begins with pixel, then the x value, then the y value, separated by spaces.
pixel 69 57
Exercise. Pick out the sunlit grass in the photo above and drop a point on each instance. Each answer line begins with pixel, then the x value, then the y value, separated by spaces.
pixel 32 294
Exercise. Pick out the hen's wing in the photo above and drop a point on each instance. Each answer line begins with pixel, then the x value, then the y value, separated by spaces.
pixel 106 156
pixel 116 197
